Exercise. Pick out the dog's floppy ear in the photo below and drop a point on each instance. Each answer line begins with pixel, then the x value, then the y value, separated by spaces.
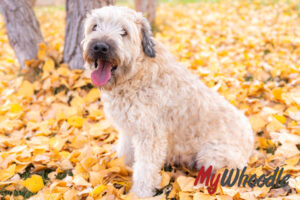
pixel 147 42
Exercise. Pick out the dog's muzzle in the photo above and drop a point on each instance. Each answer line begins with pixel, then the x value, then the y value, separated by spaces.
pixel 102 54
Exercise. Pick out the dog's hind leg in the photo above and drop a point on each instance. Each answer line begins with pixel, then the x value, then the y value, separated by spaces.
pixel 219 156
pixel 125 148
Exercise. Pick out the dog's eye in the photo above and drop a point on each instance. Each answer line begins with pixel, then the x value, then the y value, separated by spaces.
pixel 94 27
pixel 124 33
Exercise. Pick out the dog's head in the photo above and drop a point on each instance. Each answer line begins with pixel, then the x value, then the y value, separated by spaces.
pixel 115 39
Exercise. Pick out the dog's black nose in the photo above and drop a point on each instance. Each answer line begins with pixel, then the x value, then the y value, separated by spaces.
pixel 100 48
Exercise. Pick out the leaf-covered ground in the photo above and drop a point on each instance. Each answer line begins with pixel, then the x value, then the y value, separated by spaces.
pixel 55 142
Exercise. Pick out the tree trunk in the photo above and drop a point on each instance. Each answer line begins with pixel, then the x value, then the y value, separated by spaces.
pixel 141 5
pixel 22 28
pixel 148 8
pixel 76 13
pixel 32 2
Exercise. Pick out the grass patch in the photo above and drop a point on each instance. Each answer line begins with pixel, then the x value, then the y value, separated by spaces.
pixel 63 175
pixel 43 173
pixel 23 192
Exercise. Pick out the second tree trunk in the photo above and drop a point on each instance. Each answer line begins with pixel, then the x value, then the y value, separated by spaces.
pixel 76 13
pixel 148 8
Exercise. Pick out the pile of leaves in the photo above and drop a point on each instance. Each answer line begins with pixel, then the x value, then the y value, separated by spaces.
pixel 55 142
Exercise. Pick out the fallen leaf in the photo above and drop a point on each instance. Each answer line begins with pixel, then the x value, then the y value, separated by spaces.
pixel 34 183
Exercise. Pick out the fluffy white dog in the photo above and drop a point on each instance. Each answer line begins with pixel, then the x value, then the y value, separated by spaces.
pixel 163 113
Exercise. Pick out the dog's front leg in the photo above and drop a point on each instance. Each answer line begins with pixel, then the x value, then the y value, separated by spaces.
pixel 150 155
pixel 124 148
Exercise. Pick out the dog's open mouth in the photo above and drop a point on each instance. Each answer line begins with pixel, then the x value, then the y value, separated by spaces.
pixel 102 73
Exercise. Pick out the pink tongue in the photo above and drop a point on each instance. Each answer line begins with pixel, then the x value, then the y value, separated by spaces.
pixel 101 75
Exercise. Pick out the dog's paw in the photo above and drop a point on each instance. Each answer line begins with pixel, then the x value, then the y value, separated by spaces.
pixel 142 192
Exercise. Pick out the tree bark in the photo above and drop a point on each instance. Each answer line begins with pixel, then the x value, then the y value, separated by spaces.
pixel 22 28
pixel 32 2
pixel 148 8
pixel 76 13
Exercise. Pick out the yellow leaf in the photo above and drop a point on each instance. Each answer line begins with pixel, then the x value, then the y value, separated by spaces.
pixel 265 143
pixel 202 196
pixel 70 194
pixel 43 130
pixel 77 102
pixel 10 60
pixel 93 95
pixel 61 116
pixel 185 196
pixel 79 141
pixel 63 70
pixel 292 161
pixel 80 83
pixel 293 112
pixel 52 196
pixel 96 114
pixel 130 196
pixel 96 178
pixel 258 170
pixel 64 154
pixel 257 122
pixel 26 89
pixel 100 128
pixel 186 184
pixel 76 121
pixel 15 108
pixel 207 39
pixel 277 93
pixel 49 66
pixel 7 173
pixel 56 143
pixel 32 63
pixel 118 164
pixel 34 184
pixel 97 191
pixel 280 118
pixel 275 125
pixel 88 162
pixel 79 180
pixel 42 51
pixel 165 178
